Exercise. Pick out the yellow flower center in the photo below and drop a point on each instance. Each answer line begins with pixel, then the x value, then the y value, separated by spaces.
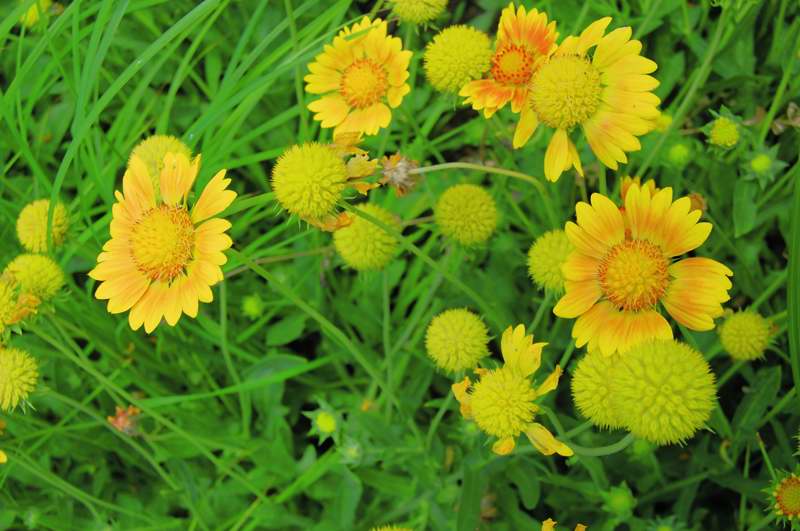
pixel 566 91
pixel 363 83
pixel 634 275
pixel 502 403
pixel 788 497
pixel 163 241
pixel 512 64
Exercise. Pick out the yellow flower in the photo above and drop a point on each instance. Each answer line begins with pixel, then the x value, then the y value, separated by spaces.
pixel 15 306
pixel 608 95
pixel 724 133
pixel 623 266
pixel 663 122
pixel 365 246
pixel 152 151
pixel 456 56
pixel 550 525
pixel 3 458
pixel 745 335
pixel 466 213
pixel 18 375
pixel 31 17
pixel 591 389
pixel 524 41
pixel 325 422
pixel 35 274
pixel 546 257
pixel 390 528
pixel 663 391
pixel 761 163
pixel 501 402
pixel 628 181
pixel 456 340
pixel 361 75
pixel 417 11
pixel 163 258
pixel 786 498
pixel 32 225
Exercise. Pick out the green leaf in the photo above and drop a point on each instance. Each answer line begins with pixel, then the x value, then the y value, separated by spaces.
pixel 286 330
pixel 750 413
pixel 744 207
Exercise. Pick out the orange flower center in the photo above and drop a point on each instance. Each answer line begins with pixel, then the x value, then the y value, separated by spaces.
pixel 512 64
pixel 787 496
pixel 566 91
pixel 162 242
pixel 633 275
pixel 363 83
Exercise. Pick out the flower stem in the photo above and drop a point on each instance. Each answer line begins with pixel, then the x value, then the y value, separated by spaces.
pixel 602 450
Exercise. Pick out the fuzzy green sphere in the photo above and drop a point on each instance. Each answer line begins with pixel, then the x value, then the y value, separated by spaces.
pixel 456 56
pixel 745 335
pixel 365 246
pixel 456 340
pixel 591 389
pixel 679 154
pixel 761 164
pixel 663 391
pixel 545 258
pixel 724 133
pixel 466 213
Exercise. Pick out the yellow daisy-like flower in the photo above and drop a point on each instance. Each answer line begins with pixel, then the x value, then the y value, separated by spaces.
pixel 457 55
pixel 608 95
pixel 31 17
pixel 18 375
pixel 502 403
pixel 786 498
pixel 418 11
pixel 32 225
pixel 623 266
pixel 550 525
pixel 36 274
pixel 361 75
pixel 163 258
pixel 524 41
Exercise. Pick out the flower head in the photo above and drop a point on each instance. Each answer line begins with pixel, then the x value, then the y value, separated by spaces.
pixel 608 95
pixel 456 56
pixel 786 497
pixel 361 75
pixel 152 151
pixel 365 246
pixel 253 306
pixel 15 305
pixel 623 267
pixel 466 213
pixel 163 257
pixel 502 403
pixel 34 13
pixel 524 41
pixel 456 340
pixel 745 335
pixel 545 258
pixel 396 171
pixel 550 525
pixel 18 375
pixel 125 420
pixel 619 501
pixel 417 11
pixel 591 389
pixel 679 154
pixel 724 133
pixel 663 391
pixel 761 163
pixel 35 274
pixel 32 225
pixel 3 458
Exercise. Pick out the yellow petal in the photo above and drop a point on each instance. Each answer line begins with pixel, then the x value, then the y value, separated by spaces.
pixel 214 199
pixel 525 127
pixel 504 446
pixel 556 158
pixel 580 296
pixel 461 392
pixel 550 383
pixel 543 440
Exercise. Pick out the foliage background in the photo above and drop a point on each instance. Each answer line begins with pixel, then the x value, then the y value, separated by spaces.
pixel 224 442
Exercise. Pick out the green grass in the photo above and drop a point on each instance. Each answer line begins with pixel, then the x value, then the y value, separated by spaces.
pixel 223 441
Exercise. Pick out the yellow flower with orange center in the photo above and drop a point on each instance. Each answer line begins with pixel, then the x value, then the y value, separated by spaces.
pixel 163 257
pixel 524 41
pixel 502 403
pixel 623 266
pixel 361 75
pixel 608 95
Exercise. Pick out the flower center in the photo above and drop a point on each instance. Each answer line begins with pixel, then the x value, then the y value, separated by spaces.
pixel 512 64
pixel 502 403
pixel 788 496
pixel 633 275
pixel 363 83
pixel 565 91
pixel 162 242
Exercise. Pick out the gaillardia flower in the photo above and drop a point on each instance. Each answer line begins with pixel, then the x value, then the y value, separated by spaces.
pixel 35 274
pixel 591 389
pixel 361 75
pixel 15 305
pixel 786 497
pixel 456 56
pixel 550 525
pixel 18 375
pixel 456 340
pixel 502 401
pixel 724 133
pixel 417 11
pixel 608 95
pixel 546 257
pixel 745 335
pixel 623 266
pixel 32 225
pixel 163 258
pixel 466 213
pixel 363 245
pixel 524 41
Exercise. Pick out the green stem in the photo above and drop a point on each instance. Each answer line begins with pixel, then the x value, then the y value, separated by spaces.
pixel 601 451
pixel 776 100
pixel 443 407
pixel 765 455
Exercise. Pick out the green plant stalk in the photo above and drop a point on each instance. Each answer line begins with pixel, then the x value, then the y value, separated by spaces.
pixel 794 289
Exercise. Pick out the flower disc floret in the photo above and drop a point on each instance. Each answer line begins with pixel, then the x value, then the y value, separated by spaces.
pixel 456 56
pixel 566 91
pixel 365 246
pixel 745 335
pixel 761 163
pixel 418 11
pixel 36 274
pixel 546 257
pixel 591 389
pixel 502 403
pixel 456 340
pixel 466 213
pixel 32 225
pixel 663 391
pixel 724 133
pixel 786 497
pixel 18 375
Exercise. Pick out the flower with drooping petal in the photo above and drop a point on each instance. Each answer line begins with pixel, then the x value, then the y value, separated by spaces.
pixel 502 401
pixel 623 267
pixel 524 41
pixel 163 257
pixel 361 75
pixel 608 95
